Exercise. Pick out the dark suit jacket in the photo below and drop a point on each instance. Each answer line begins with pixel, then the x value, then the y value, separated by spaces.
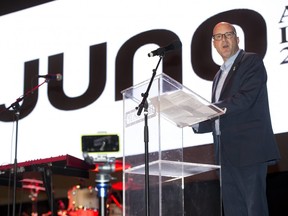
pixel 246 133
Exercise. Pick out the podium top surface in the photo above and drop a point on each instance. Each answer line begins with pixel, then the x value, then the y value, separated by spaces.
pixel 172 100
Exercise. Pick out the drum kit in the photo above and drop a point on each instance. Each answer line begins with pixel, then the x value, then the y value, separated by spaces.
pixel 85 200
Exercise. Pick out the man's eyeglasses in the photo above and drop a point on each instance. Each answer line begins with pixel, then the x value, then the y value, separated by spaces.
pixel 219 36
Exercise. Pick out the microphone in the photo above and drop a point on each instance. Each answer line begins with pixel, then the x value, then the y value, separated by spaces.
pixel 57 77
pixel 162 50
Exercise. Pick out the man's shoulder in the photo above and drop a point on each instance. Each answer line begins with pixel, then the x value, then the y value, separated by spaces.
pixel 249 56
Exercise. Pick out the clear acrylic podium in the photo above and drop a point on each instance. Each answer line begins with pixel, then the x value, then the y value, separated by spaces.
pixel 171 108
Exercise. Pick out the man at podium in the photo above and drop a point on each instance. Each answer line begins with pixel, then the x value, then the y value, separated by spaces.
pixel 243 136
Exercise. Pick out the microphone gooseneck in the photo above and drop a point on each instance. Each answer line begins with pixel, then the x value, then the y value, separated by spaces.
pixel 162 50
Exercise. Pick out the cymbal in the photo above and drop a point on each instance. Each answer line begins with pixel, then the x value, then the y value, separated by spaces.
pixel 33 184
pixel 117 166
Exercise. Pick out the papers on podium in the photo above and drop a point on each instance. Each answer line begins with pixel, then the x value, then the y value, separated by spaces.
pixel 185 108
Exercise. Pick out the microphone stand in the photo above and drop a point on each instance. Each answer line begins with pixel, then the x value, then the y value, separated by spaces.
pixel 16 107
pixel 144 104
